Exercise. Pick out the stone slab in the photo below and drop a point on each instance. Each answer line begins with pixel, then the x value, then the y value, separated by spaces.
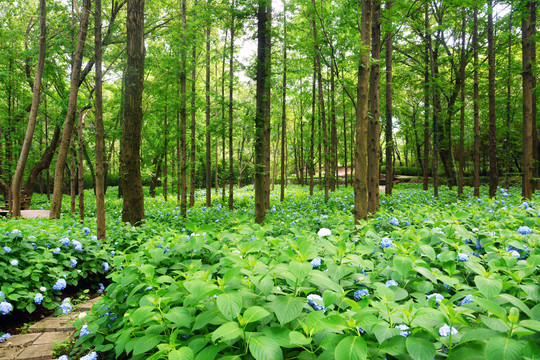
pixel 53 324
pixel 9 353
pixel 19 340
pixel 37 352
pixel 32 214
pixel 88 305
pixel 53 337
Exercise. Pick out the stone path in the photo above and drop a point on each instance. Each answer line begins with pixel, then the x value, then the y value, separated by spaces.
pixel 28 214
pixel 39 342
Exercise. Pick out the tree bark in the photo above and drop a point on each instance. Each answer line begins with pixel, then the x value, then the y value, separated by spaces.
pixel 493 172
pixel 462 107
pixel 207 111
pixel 183 115
pixel 193 123
pixel 80 160
pixel 67 134
pixel 27 143
pixel 130 174
pixel 476 156
pixel 231 88
pixel 435 94
pixel 425 170
pixel 389 126
pixel 284 107
pixel 100 130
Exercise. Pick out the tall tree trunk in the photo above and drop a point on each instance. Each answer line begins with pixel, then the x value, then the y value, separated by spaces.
pixel 476 159
pixel 19 171
pixel 301 160
pixel 130 163
pixel 374 126
pixel 362 100
pixel 80 160
pixel 193 123
pixel 183 115
pixel 73 178
pixel 334 178
pixel 284 107
pixel 345 139
pixel 231 88
pixel 462 107
pixel 262 117
pixel 493 173
pixel 425 170
pixel 208 137
pixel 435 92
pixel 528 25
pixel 389 127
pixel 312 136
pixel 67 134
pixel 100 131
pixel 507 151
pixel 166 148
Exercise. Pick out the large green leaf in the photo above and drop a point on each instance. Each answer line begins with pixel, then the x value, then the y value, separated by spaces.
pixel 265 348
pixel 351 348
pixel 403 265
pixel 179 316
pixel 230 305
pixel 227 331
pixel 420 349
pixel 320 279
pixel 287 308
pixel 142 314
pixel 255 313
pixel 501 348
pixel 146 343
pixel 491 307
pixel 488 287
pixel 300 270
pixel 184 353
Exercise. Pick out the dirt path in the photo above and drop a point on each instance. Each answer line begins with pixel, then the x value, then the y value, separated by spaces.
pixel 32 214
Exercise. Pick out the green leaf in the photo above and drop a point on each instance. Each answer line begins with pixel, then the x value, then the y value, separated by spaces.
pixel 351 348
pixel 420 349
pixel 531 351
pixel 230 305
pixel 428 251
pixel 382 332
pixel 531 324
pixel 142 315
pixel 179 316
pixel 264 348
pixel 146 343
pixel 478 334
pixel 426 273
pixel 184 353
pixel 320 279
pixel 518 303
pixel 403 265
pixel 503 349
pixel 227 331
pixel 287 308
pixel 300 270
pixel 492 307
pixel 298 339
pixel 255 313
pixel 488 287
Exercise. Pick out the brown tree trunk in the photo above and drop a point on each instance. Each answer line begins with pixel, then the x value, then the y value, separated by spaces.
pixel 231 88
pixel 493 172
pixel 425 169
pixel 462 107
pixel 262 117
pixel 435 94
pixel 476 115
pixel 284 108
pixel 528 24
pixel 389 126
pixel 312 137
pixel 207 111
pixel 183 115
pixel 374 112
pixel 73 178
pixel 27 143
pixel 334 178
pixel 80 160
pixel 165 184
pixel 362 100
pixel 193 123
pixel 130 174
pixel 67 134
pixel 100 131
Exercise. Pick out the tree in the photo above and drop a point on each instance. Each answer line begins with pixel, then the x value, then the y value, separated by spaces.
pixel 207 112
pixel 284 107
pixel 130 173
pixel 388 115
pixel 493 172
pixel 100 130
pixel 67 133
pixel 19 172
pixel 183 115
pixel 231 89
pixel 476 156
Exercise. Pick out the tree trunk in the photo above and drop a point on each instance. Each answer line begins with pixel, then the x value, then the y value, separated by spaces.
pixel 183 115
pixel 284 107
pixel 476 115
pixel 435 92
pixel 73 178
pixel 374 126
pixel 193 123
pixel 100 131
pixel 67 134
pixel 362 100
pixel 165 184
pixel 82 115
pixel 207 111
pixel 462 107
pixel 334 178
pixel 425 170
pixel 130 174
pixel 262 117
pixel 312 137
pixel 493 173
pixel 231 88
pixel 389 127
pixel 19 172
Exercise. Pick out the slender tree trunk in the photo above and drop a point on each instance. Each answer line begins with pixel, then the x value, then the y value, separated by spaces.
pixel 100 131
pixel 462 107
pixel 493 173
pixel 528 24
pixel 166 148
pixel 262 117
pixel 476 115
pixel 80 159
pixel 425 169
pixel 73 178
pixel 183 115
pixel 362 100
pixel 312 144
pixel 193 122
pixel 27 143
pixel 284 107
pixel 374 112
pixel 301 160
pixel 389 126
pixel 208 137
pixel 435 92
pixel 130 174
pixel 231 88
pixel 223 118
pixel 334 178
pixel 507 151
pixel 67 134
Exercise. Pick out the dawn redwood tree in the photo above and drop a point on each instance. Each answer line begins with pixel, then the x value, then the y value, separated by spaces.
pixel 100 131
pixel 130 163
pixel 19 171
pixel 388 115
pixel 462 107
pixel 193 114
pixel 208 135
pixel 183 115
pixel 284 107
pixel 476 112
pixel 67 134
pixel 231 88
pixel 262 115
pixel 493 172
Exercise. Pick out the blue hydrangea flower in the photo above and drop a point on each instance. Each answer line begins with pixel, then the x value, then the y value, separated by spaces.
pixel 66 306
pixel 403 330
pixel 16 232
pixel 93 237
pixel 407 223
pixel 7 249
pixel 38 298
pixel 386 242
pixel 462 257
pixel 446 330
pixel 77 244
pixel 73 262
pixel 524 230
pixel 311 302
pixel 65 241
pixel 105 266
pixel 101 288
pixel 316 262
pixel 391 283
pixel 14 262
pixel 525 205
pixel 5 337
pixel 478 245
pixel 56 251
pixel 60 285
pixel 91 356
pixel 84 330
pixel 394 221
pixel 515 254
pixel 360 294
pixel 166 249
pixel 2 294
pixel 63 357
pixel 5 308
pixel 466 300
pixel 86 230
pixel 438 297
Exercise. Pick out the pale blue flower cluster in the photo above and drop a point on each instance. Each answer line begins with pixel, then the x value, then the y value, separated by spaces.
pixel 394 221
pixel 386 242
pixel 105 266
pixel 77 244
pixel 5 337
pixel 524 230
pixel 63 357
pixel 38 298
pixel 86 230
pixel 56 251
pixel 65 241
pixel 101 288
pixel 91 356
pixel 360 294
pixel 466 300
pixel 462 257
pixel 311 302
pixel 14 262
pixel 515 254
pixel 66 306
pixel 316 262
pixel 73 262
pixel 403 330
pixel 324 232
pixel 438 297
pixel 5 308
pixel 446 330
pixel 7 249
pixel 84 330
pixel 391 283
pixel 60 285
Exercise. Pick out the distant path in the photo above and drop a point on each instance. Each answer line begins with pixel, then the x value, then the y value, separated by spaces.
pixel 32 214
